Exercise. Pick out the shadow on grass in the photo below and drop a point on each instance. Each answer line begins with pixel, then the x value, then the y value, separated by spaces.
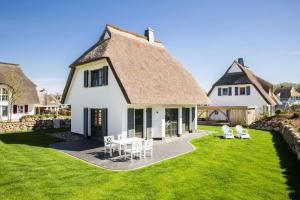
pixel 289 163
pixel 34 138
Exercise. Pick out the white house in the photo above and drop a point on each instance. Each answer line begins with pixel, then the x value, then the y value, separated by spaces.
pixel 49 103
pixel 288 96
pixel 25 104
pixel 128 82
pixel 239 86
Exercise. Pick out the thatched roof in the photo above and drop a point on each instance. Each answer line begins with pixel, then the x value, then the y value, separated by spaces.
pixel 47 99
pixel 287 93
pixel 146 72
pixel 247 76
pixel 29 94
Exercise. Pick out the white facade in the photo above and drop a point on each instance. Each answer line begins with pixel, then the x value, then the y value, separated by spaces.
pixel 254 99
pixel 6 110
pixel 111 97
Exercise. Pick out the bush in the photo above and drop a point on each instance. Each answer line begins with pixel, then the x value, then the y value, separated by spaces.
pixel 296 115
pixel 45 116
pixel 277 112
pixel 264 115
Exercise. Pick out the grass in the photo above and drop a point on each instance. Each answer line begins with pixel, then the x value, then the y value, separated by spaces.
pixel 260 168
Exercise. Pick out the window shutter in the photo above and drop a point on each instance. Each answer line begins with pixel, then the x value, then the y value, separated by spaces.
pixel 219 92
pixel 85 122
pixel 130 122
pixel 101 78
pixel 86 79
pixel 193 114
pixel 149 123
pixel 104 121
pixel 248 90
pixel 26 109
pixel 105 75
pixel 230 91
pixel 15 109
pixel 236 91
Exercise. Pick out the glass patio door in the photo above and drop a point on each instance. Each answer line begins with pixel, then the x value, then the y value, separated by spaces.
pixel 96 123
pixel 171 122
pixel 139 122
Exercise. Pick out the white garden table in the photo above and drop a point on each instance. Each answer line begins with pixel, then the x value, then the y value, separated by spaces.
pixel 125 142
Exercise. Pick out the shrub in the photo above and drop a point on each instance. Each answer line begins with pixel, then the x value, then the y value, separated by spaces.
pixel 277 112
pixel 296 115
pixel 45 116
pixel 264 115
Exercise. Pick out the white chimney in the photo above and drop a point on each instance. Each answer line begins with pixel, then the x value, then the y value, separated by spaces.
pixel 149 33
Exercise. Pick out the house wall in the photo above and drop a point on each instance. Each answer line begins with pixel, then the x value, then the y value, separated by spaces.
pixel 158 118
pixel 109 96
pixel 15 117
pixel 234 68
pixel 253 100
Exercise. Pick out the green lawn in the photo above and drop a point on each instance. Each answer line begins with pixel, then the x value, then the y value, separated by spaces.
pixel 260 168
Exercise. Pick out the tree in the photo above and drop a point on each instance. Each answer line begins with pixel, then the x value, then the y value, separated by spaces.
pixel 14 88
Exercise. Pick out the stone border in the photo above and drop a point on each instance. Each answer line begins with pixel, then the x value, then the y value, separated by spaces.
pixel 289 133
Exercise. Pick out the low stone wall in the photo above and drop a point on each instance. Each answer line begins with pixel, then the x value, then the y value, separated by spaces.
pixel 34 125
pixel 290 135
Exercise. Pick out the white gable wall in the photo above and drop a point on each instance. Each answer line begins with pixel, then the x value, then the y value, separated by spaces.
pixel 234 68
pixel 254 99
pixel 109 96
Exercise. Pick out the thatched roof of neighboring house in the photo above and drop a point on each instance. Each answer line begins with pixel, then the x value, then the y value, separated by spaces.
pixel 29 94
pixel 286 93
pixel 146 72
pixel 47 99
pixel 247 76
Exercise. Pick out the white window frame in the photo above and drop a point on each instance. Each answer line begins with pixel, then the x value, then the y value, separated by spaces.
pixel 1 111
pixel 225 89
pixel 2 94
pixel 244 91
pixel 20 107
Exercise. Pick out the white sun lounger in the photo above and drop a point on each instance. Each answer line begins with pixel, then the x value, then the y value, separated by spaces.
pixel 241 132
pixel 227 132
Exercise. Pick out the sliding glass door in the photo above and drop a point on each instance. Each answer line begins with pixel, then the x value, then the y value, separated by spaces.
pixel 171 122
pixel 139 123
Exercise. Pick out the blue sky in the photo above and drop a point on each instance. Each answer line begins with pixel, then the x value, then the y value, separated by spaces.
pixel 206 36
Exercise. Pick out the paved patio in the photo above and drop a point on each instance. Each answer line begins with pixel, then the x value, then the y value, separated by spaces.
pixel 90 151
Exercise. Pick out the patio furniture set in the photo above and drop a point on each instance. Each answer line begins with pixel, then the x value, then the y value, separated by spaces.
pixel 131 147
pixel 241 132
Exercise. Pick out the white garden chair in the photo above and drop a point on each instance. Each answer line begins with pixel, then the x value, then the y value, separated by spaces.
pixel 124 135
pixel 108 144
pixel 148 147
pixel 227 132
pixel 134 149
pixel 119 137
pixel 241 132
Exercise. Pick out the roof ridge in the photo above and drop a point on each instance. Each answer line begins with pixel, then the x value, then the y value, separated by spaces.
pixel 129 32
pixel 6 63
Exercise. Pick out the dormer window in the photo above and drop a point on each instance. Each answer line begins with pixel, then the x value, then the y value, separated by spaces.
pixel 3 94
pixel 225 91
pixel 98 77
pixel 242 91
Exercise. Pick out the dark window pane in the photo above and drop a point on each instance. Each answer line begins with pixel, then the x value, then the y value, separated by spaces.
pixel 242 91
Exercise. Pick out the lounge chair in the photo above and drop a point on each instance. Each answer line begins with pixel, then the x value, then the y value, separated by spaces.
pixel 241 132
pixel 227 132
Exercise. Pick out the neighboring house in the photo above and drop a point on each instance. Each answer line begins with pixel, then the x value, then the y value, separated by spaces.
pixel 130 83
pixel 48 103
pixel 28 100
pixel 288 95
pixel 239 86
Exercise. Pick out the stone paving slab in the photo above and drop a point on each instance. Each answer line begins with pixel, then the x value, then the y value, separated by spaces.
pixel 90 150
